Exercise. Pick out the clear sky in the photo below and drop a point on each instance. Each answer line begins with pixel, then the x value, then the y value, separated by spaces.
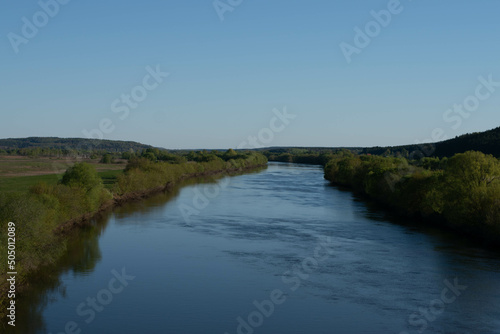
pixel 226 77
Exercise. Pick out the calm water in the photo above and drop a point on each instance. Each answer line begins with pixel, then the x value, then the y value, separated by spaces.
pixel 278 251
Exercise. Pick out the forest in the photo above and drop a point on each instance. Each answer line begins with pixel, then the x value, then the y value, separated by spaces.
pixel 64 146
pixel 486 142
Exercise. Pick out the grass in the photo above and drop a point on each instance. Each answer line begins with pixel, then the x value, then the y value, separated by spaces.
pixel 109 177
pixel 19 173
pixel 23 183
pixel 12 166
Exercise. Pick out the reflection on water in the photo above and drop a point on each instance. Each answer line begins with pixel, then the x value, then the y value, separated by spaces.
pixel 252 239
pixel 82 255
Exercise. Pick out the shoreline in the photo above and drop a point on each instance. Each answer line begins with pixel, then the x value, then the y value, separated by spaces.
pixel 482 237
pixel 136 196
pixel 72 225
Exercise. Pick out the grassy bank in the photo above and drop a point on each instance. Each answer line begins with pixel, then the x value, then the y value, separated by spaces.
pixel 462 192
pixel 45 210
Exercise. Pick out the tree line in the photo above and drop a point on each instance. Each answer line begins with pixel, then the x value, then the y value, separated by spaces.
pixel 462 191
pixel 71 144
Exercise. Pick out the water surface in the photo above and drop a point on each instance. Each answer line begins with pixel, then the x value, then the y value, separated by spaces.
pixel 332 262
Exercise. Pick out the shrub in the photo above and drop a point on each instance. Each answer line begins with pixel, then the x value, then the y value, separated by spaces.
pixel 82 175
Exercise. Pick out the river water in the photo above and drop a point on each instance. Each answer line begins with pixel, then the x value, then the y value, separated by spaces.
pixel 275 251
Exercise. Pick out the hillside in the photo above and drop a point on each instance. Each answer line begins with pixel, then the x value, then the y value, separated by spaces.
pixel 72 144
pixel 487 142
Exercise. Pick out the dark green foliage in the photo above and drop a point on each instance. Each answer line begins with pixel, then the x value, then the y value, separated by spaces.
pixel 34 230
pixel 107 159
pixel 54 145
pixel 471 187
pixel 464 190
pixel 301 156
pixel 110 177
pixel 486 142
pixel 127 155
pixel 143 173
pixel 432 163
pixel 43 209
pixel 82 175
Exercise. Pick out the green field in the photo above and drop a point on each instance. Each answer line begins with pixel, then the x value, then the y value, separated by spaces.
pixel 19 173
pixel 23 183
pixel 109 177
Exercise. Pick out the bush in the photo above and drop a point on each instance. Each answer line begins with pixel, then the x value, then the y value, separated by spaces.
pixel 107 159
pixel 142 174
pixel 82 175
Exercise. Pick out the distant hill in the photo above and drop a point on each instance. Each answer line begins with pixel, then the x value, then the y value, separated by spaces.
pixel 487 142
pixel 72 144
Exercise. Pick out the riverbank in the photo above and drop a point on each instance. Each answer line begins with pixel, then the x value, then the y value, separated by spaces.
pixel 461 193
pixel 117 201
pixel 47 213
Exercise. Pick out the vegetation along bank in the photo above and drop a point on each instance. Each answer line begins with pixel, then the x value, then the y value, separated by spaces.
pixel 462 192
pixel 46 212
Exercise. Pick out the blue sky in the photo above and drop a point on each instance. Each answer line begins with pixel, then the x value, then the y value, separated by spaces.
pixel 226 77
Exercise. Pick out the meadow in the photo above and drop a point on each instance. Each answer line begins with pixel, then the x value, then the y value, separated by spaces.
pixel 19 173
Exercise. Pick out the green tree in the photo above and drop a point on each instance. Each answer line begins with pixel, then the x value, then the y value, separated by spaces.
pixel 470 180
pixel 82 175
pixel 151 156
pixel 107 159
pixel 471 169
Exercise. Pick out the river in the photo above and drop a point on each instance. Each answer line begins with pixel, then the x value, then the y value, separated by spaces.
pixel 274 251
